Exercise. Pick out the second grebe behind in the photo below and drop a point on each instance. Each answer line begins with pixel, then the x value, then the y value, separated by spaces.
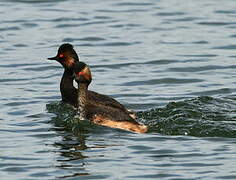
pixel 98 113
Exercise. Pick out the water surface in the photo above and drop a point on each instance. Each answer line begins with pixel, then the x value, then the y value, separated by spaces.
pixel 173 62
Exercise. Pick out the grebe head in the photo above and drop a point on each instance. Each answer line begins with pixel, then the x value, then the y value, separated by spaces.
pixel 66 56
pixel 82 73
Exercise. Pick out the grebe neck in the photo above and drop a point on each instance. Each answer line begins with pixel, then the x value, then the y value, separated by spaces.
pixel 67 78
pixel 82 100
pixel 68 91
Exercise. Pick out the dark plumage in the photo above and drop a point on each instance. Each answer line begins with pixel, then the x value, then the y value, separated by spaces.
pixel 101 114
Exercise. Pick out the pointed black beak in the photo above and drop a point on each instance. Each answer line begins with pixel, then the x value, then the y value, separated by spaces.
pixel 53 58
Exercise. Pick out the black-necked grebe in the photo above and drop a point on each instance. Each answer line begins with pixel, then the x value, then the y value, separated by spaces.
pixel 98 113
pixel 67 57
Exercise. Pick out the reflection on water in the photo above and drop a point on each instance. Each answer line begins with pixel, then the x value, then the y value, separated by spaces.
pixel 71 149
pixel 172 62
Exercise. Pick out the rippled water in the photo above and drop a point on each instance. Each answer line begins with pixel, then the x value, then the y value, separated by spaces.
pixel 172 61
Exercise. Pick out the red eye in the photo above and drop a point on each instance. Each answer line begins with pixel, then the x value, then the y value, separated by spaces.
pixel 61 55
pixel 80 73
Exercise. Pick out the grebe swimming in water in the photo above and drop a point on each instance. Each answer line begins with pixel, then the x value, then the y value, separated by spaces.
pixel 68 57
pixel 98 113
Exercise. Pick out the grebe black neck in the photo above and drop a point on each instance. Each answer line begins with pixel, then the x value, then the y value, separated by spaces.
pixel 83 78
pixel 68 91
pixel 82 100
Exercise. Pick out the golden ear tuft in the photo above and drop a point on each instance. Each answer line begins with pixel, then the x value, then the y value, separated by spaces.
pixel 87 73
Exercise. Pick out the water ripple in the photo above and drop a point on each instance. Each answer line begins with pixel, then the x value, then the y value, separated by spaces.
pixel 228 47
pixel 161 81
pixel 199 69
pixel 134 4
pixel 170 14
pixel 172 64
pixel 203 116
pixel 12 28
pixel 83 39
pixel 216 23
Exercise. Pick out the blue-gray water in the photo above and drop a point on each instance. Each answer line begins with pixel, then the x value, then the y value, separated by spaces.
pixel 172 61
